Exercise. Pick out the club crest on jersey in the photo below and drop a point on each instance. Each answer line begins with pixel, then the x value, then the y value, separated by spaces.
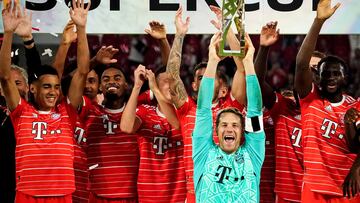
pixel 55 116
pixel 239 158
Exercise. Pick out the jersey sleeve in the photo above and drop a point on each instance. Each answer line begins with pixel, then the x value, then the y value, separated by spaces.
pixel 203 131
pixel 147 97
pixel 254 127
pixel 182 111
pixel 141 112
pixel 16 113
pixel 277 108
pixel 313 95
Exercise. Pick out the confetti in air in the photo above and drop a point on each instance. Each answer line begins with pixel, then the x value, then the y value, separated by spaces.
pixel 47 52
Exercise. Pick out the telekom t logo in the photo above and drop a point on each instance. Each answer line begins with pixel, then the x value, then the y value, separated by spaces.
pixel 329 127
pixel 223 172
pixel 160 143
pixel 296 135
pixel 79 135
pixel 39 129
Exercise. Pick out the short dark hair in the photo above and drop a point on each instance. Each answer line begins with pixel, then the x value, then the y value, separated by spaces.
pixel 230 110
pixel 199 66
pixel 42 70
pixel 331 60
pixel 115 66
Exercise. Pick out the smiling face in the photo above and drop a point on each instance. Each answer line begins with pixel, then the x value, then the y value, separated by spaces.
pixel 229 130
pixel 46 91
pixel 332 78
pixel 113 83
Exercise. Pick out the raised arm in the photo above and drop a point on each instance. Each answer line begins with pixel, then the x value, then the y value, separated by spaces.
pixel 24 31
pixel 157 31
pixel 79 15
pixel 253 91
pixel 202 135
pixel 203 122
pixel 238 87
pixel 177 88
pixel 303 73
pixel 129 122
pixel 268 36
pixel 11 18
pixel 104 56
pixel 166 107
pixel 68 36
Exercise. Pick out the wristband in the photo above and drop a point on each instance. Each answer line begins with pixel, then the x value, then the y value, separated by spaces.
pixel 29 42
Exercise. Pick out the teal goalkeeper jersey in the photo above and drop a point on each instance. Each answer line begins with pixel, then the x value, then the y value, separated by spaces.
pixel 218 176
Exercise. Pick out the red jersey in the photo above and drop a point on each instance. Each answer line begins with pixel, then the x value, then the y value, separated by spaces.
pixel 289 150
pixel 161 170
pixel 81 193
pixel 327 159
pixel 267 180
pixel 44 149
pixel 113 156
pixel 186 114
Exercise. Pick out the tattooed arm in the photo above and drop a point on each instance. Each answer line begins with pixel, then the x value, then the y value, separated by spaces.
pixel 177 88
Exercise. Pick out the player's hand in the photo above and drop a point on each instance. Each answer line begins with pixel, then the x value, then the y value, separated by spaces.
pixel 250 49
pixel 214 47
pixel 78 12
pixel 217 11
pixel 11 17
pixel 351 116
pixel 324 9
pixel 69 35
pixel 139 76
pixel 105 55
pixel 269 35
pixel 351 185
pixel 24 29
pixel 157 30
pixel 151 79
pixel 181 26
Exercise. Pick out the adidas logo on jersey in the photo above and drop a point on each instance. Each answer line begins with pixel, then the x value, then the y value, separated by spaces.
pixel 328 108
pixel 298 117
pixel 157 126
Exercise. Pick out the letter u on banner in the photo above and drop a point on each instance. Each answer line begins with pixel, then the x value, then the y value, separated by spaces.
pixel 233 11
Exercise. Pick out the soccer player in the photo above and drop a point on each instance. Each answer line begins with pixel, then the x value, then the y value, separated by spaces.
pixel 113 155
pixel 33 62
pixel 228 172
pixel 43 127
pixel 285 113
pixel 327 158
pixel 161 169
pixel 186 106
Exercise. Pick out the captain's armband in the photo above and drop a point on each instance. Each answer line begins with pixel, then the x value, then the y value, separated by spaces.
pixel 254 124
